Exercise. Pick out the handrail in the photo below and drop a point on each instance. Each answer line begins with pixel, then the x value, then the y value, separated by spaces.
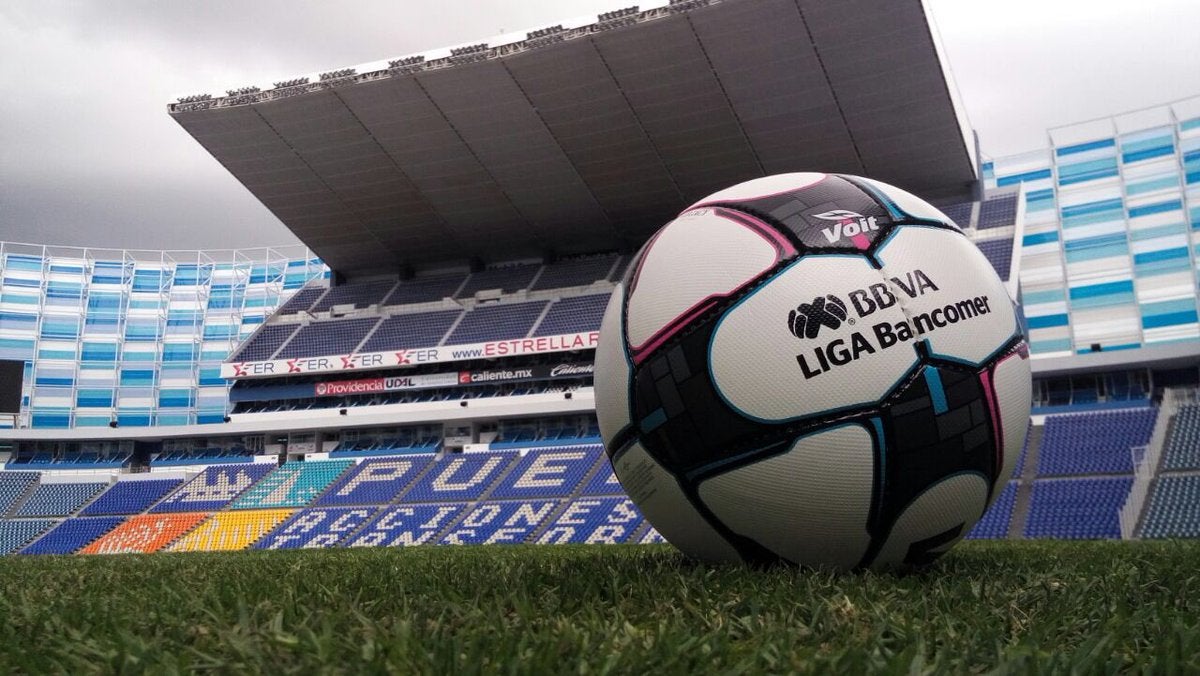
pixel 1145 463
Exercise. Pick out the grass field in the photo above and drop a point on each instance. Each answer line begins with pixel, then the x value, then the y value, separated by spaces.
pixel 1019 606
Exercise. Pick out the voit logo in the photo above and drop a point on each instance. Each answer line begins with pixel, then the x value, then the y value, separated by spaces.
pixel 847 224
pixel 807 320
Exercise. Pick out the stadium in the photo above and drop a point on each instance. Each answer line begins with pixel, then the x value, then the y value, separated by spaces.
pixel 420 372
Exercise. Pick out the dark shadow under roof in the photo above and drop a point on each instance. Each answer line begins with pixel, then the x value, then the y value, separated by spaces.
pixel 592 142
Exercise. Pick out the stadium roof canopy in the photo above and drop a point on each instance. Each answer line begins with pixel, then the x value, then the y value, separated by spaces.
pixel 587 138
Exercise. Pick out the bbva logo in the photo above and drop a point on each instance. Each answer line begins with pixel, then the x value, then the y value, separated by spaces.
pixel 806 321
pixel 829 310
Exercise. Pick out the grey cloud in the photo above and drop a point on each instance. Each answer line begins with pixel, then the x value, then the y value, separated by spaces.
pixel 89 156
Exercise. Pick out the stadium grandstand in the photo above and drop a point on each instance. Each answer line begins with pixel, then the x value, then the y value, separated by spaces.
pixel 420 370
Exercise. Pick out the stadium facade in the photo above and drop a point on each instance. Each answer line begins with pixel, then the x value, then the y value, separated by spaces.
pixel 135 338
pixel 476 207
pixel 1102 231
pixel 1111 246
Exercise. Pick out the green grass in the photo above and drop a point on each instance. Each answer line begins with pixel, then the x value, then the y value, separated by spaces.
pixel 1010 606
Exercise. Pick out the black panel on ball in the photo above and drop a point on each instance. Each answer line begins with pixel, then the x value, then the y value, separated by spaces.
pixel 924 446
pixel 826 215
pixel 682 421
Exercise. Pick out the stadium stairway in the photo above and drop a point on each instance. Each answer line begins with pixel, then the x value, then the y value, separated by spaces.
pixel 1173 508
pixel 1165 464
pixel 540 318
pixel 995 522
pixel 17 534
pixel 15 489
pixel 1182 448
pixel 59 499
pixel 451 329
pixel 1020 512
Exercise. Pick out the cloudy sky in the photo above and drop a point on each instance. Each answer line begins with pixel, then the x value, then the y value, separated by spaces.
pixel 89 156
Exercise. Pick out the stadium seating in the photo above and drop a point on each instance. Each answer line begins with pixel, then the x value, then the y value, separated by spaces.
pixel 328 337
pixel 593 521
pixel 1182 450
pixel 995 521
pixel 424 289
pixel 532 434
pixel 459 476
pixel 552 488
pixel 293 485
pixel 507 279
pixel 15 533
pixel 496 322
pixel 997 212
pixel 999 254
pixel 1174 508
pixel 302 300
pixel 1076 509
pixel 227 531
pixel 1019 467
pixel 574 315
pixel 145 533
pixel 358 294
pixel 650 537
pixel 71 535
pixel 426 329
pixel 1094 443
pixel 384 447
pixel 564 274
pixel 317 527
pixel 202 456
pixel 599 520
pixel 266 342
pixel 409 331
pixel 213 489
pixel 622 266
pixel 959 213
pixel 406 525
pixel 603 482
pixel 13 486
pixel 59 499
pixel 74 460
pixel 374 482
pixel 130 497
pixel 500 522
pixel 553 473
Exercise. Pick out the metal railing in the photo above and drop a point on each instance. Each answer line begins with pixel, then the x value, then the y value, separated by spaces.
pixel 1145 463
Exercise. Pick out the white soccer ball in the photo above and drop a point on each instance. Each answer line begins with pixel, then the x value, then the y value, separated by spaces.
pixel 816 368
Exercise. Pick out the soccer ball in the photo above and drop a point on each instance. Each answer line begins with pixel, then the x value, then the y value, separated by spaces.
pixel 812 367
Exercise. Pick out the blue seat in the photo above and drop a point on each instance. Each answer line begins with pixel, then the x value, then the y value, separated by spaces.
pixel 1077 509
pixel 130 497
